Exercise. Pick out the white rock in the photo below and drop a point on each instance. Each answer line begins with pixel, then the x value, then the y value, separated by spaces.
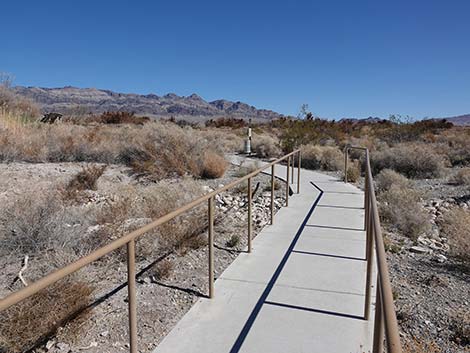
pixel 419 250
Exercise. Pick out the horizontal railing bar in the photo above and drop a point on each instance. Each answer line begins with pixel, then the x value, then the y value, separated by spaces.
pixel 53 277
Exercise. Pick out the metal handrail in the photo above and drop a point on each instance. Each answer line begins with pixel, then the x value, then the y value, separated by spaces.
pixel 385 321
pixel 129 241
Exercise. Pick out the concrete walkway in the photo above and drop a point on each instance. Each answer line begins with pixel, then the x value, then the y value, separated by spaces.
pixel 300 290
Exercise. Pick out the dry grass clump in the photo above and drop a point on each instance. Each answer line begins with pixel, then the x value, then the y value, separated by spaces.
pixel 400 209
pixel 455 225
pixel 162 270
pixel 462 177
pixel 37 318
pixel 322 157
pixel 121 118
pixel 87 178
pixel 265 146
pixel 388 178
pixel 411 160
pixel 21 107
pixel 233 241
pixel 213 165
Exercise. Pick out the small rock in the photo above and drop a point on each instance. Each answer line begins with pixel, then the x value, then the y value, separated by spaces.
pixel 419 250
pixel 441 258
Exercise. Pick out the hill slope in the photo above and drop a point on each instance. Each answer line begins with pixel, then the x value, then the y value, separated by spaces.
pixel 461 120
pixel 91 100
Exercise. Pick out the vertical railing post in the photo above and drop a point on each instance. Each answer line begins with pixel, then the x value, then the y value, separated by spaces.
pixel 292 172
pixel 210 242
pixel 131 293
pixel 298 174
pixel 272 194
pixel 250 223
pixel 287 181
pixel 378 342
pixel 346 164
pixel 369 258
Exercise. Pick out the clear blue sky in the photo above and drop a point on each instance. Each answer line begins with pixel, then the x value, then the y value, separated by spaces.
pixel 347 58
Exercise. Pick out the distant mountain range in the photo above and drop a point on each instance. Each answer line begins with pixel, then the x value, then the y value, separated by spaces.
pixel 461 120
pixel 73 100
pixel 70 100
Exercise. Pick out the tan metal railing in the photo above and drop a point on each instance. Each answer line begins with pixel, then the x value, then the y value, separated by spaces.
pixel 385 321
pixel 129 241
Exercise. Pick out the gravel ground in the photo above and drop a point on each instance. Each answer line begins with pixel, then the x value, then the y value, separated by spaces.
pixel 162 300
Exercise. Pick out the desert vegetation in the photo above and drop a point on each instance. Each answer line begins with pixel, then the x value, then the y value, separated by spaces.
pixel 97 177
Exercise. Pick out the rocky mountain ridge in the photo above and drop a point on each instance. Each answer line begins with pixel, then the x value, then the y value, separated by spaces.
pixel 73 100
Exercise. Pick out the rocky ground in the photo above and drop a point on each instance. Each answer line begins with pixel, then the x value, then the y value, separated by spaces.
pixel 432 288
pixel 168 284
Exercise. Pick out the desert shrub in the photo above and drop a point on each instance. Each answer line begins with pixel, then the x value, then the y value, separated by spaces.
pixel 455 225
pixel 37 225
pixel 37 318
pixel 233 241
pixel 21 107
pixel 400 209
pixel 277 185
pixel 353 173
pixel 86 179
pixel 213 165
pixel 117 118
pixel 322 157
pixel 132 208
pixel 265 146
pixel 455 143
pixel 388 178
pixel 162 270
pixel 411 160
pixel 246 169
pixel 233 123
pixel 462 177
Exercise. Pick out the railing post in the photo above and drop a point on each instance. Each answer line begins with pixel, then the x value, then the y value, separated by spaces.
pixel 378 343
pixel 346 164
pixel 131 293
pixel 298 174
pixel 292 176
pixel 249 214
pixel 272 194
pixel 210 214
pixel 369 257
pixel 287 181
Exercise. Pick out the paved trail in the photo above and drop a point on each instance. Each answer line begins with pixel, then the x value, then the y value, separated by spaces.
pixel 300 290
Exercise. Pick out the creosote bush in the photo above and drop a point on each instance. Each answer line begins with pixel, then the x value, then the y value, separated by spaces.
pixel 411 160
pixel 388 178
pixel 265 146
pixel 33 320
pixel 455 225
pixel 322 157
pixel 400 209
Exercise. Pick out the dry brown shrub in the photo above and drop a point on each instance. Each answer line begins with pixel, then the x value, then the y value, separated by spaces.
pixel 400 209
pixel 34 320
pixel 456 227
pixel 354 172
pixel 462 177
pixel 413 160
pixel 86 179
pixel 388 178
pixel 322 157
pixel 162 270
pixel 213 166
pixel 265 146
